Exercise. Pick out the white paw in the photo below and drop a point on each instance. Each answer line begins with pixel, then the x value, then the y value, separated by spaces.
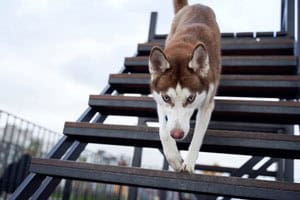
pixel 174 160
pixel 189 163
pixel 187 168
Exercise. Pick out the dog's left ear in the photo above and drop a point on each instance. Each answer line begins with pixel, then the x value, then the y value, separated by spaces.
pixel 200 61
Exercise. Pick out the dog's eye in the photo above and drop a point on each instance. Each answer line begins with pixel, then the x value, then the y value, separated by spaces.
pixel 191 98
pixel 166 98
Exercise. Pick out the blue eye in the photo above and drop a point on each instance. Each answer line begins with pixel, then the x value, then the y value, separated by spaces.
pixel 166 98
pixel 191 98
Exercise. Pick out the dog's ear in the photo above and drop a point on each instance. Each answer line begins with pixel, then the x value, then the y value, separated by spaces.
pixel 200 61
pixel 158 62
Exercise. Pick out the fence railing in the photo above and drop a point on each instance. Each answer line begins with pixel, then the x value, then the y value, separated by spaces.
pixel 20 140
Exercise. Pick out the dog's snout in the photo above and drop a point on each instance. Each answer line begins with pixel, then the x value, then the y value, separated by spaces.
pixel 177 134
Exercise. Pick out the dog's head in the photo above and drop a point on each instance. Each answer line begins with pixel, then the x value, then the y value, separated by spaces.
pixel 179 84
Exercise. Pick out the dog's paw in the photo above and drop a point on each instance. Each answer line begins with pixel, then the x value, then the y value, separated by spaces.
pixel 189 163
pixel 187 168
pixel 175 161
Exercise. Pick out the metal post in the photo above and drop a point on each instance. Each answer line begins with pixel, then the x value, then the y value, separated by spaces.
pixel 297 46
pixel 288 17
pixel 291 18
pixel 67 190
pixel 9 131
pixel 136 162
pixel 285 167
pixel 120 192
pixel 163 193
pixel 289 163
pixel 282 17
pixel 152 27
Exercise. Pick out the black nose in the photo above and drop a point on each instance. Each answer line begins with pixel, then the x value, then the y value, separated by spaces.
pixel 166 118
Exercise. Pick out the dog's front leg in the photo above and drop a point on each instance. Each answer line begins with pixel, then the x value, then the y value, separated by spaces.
pixel 202 121
pixel 170 150
pixel 169 144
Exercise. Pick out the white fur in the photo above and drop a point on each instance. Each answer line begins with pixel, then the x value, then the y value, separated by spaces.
pixel 193 64
pixel 179 117
pixel 202 120
pixel 169 145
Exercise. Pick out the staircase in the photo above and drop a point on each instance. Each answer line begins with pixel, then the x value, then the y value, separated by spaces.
pixel 261 65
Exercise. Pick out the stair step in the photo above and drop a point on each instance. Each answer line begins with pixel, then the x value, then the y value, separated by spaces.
pixel 244 46
pixel 286 87
pixel 193 183
pixel 230 170
pixel 225 110
pixel 234 142
pixel 281 65
pixel 238 35
pixel 244 126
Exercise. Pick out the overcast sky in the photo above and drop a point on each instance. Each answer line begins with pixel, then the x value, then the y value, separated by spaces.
pixel 54 53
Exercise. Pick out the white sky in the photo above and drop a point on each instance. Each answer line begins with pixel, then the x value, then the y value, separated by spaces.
pixel 53 54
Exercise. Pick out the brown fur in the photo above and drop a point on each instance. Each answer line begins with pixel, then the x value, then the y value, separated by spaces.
pixel 192 25
pixel 178 4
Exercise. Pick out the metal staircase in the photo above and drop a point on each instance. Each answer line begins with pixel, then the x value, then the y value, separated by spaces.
pixel 257 65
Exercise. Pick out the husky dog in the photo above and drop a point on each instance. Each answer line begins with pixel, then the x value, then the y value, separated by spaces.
pixel 184 78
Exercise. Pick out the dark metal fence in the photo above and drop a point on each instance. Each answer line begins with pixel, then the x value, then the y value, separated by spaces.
pixel 20 140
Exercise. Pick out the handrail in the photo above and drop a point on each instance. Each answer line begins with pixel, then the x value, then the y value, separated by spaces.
pixel 152 27
pixel 297 43
pixel 288 17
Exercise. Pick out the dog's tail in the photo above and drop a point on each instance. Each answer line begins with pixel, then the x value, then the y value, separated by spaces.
pixel 178 4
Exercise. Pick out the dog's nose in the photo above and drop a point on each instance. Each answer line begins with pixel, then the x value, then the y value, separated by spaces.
pixel 177 134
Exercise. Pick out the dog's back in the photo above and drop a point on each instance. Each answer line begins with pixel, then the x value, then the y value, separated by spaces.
pixel 193 24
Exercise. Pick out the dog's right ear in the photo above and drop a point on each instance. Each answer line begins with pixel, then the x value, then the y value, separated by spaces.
pixel 200 61
pixel 158 62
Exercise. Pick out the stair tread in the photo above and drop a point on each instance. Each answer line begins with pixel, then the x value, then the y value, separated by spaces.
pixel 244 46
pixel 279 64
pixel 286 112
pixel 221 141
pixel 230 85
pixel 238 60
pixel 293 104
pixel 238 35
pixel 220 185
pixel 225 77
pixel 246 41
